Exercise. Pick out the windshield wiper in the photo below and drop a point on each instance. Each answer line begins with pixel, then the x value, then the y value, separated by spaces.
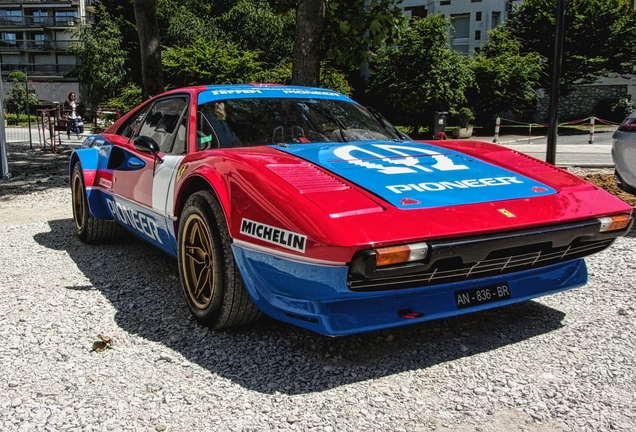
pixel 330 116
pixel 385 124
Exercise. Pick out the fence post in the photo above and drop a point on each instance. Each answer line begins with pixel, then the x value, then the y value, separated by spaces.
pixel 529 132
pixel 497 124
pixel 592 119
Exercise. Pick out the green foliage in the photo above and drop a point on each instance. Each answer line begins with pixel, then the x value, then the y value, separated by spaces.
pixel 614 109
pixel 354 27
pixel 420 75
pixel 204 63
pixel 19 119
pixel 17 99
pixel 505 78
pixel 334 79
pixel 254 26
pixel 102 59
pixel 182 23
pixel 126 99
pixel 465 116
pixel 600 37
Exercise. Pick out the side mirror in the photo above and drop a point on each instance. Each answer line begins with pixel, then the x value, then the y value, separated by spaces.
pixel 145 144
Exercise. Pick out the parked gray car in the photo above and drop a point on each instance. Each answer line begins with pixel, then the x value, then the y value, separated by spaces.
pixel 624 154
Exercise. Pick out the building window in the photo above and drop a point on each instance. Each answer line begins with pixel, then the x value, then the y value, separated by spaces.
pixel 445 3
pixel 477 16
pixel 495 20
pixel 461 32
pixel 416 11
pixel 8 39
pixel 39 17
pixel 65 18
pixel 475 1
pixel 10 16
pixel 477 34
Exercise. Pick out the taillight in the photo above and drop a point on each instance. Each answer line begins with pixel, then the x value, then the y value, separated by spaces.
pixel 629 125
pixel 613 223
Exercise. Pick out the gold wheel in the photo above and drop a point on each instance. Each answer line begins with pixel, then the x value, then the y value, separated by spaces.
pixel 79 203
pixel 197 259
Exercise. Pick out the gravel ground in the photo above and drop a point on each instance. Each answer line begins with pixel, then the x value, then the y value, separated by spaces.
pixel 564 362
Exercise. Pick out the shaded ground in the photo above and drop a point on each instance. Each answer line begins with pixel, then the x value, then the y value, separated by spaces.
pixel 35 170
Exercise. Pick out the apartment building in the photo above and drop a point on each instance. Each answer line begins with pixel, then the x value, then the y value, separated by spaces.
pixel 34 36
pixel 471 19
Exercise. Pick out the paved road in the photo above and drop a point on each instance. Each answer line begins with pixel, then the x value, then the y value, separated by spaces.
pixel 572 150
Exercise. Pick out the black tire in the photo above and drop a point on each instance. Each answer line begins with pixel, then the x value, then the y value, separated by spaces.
pixel 88 228
pixel 211 281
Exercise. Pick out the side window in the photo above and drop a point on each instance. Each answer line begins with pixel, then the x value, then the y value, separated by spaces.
pixel 130 128
pixel 206 138
pixel 166 123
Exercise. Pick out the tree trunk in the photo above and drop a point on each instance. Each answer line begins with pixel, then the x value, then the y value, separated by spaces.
pixel 306 62
pixel 148 30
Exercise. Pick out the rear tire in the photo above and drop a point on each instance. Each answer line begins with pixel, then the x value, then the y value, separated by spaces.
pixel 88 228
pixel 211 282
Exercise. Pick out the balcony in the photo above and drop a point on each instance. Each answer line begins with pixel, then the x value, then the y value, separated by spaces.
pixel 38 69
pixel 38 22
pixel 33 45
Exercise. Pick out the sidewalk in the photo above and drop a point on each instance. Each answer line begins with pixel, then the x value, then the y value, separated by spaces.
pixel 571 150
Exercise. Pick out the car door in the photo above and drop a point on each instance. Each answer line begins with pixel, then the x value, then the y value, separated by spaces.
pixel 143 183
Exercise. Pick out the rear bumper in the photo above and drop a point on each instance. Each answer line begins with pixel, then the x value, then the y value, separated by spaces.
pixel 317 298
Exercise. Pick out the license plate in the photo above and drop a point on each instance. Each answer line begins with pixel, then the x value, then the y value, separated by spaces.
pixel 481 295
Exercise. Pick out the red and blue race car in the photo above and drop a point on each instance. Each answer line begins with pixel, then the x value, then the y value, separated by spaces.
pixel 303 205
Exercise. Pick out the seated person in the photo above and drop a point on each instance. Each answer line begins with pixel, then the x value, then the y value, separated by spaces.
pixel 226 136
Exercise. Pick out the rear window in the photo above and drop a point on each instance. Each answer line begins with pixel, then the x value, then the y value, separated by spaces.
pixel 629 125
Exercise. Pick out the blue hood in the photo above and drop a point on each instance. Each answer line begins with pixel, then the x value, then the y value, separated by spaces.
pixel 414 175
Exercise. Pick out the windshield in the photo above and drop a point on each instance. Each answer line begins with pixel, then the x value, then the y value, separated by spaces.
pixel 262 121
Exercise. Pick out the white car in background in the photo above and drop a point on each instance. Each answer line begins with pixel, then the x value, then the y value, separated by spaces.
pixel 624 154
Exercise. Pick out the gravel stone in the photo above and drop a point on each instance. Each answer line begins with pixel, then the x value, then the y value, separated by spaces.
pixel 564 362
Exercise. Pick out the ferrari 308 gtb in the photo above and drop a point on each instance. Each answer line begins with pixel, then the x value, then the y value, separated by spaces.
pixel 303 205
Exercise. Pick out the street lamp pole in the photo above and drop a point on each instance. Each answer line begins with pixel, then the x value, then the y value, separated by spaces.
pixel 553 116
pixel 4 165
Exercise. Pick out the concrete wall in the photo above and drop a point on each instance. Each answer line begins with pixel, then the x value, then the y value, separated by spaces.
pixel 49 91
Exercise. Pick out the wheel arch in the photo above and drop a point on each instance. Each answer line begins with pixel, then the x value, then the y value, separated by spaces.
pixel 88 158
pixel 192 185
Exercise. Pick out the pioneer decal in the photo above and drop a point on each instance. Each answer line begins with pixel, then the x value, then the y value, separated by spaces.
pixel 416 175
pixel 461 184
pixel 277 236
pixel 142 223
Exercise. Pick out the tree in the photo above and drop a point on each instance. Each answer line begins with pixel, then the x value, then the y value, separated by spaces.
pixel 600 37
pixel 355 27
pixel 254 26
pixel 307 56
pixel 18 94
pixel 347 31
pixel 420 75
pixel 148 30
pixel 204 63
pixel 101 67
pixel 505 79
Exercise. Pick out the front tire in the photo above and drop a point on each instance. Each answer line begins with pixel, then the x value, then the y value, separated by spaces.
pixel 211 282
pixel 88 228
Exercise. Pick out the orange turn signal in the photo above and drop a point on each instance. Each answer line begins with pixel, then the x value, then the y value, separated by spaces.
pixel 613 223
pixel 400 254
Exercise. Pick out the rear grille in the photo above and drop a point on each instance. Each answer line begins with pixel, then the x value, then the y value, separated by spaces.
pixel 488 267
pixel 480 257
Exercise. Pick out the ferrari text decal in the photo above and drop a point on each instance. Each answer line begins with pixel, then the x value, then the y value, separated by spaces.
pixel 408 163
pixel 270 234
pixel 140 222
pixel 458 184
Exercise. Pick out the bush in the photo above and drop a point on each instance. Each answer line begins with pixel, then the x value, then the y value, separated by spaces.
pixel 614 110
